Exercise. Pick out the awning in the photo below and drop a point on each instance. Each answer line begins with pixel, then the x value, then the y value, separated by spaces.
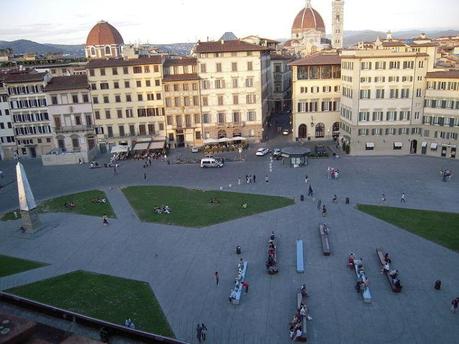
pixel 370 145
pixel 141 146
pixel 238 138
pixel 398 144
pixel 433 146
pixel 119 149
pixel 210 141
pixel 424 144
pixel 157 145
pixel 224 139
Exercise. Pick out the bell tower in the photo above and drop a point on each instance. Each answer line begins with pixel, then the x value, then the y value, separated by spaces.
pixel 337 23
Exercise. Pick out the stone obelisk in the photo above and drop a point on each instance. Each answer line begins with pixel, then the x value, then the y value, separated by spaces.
pixel 27 204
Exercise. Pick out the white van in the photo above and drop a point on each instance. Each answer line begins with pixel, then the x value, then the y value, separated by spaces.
pixel 211 162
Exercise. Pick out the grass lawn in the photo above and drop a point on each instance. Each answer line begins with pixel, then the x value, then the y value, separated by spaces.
pixel 192 208
pixel 101 296
pixel 440 227
pixel 11 265
pixel 10 216
pixel 83 204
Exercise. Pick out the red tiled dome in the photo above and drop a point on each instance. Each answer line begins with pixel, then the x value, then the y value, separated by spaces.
pixel 104 34
pixel 307 19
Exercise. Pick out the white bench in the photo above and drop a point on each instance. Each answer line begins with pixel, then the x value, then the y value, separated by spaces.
pixel 235 295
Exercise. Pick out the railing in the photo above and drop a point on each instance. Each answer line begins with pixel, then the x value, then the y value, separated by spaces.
pixel 112 328
pixel 66 129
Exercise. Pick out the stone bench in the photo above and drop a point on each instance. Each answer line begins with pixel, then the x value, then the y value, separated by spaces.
pixel 325 240
pixel 273 269
pixel 360 274
pixel 300 299
pixel 299 256
pixel 236 292
pixel 380 253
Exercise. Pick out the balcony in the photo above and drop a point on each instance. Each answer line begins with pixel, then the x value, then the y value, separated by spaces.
pixel 73 129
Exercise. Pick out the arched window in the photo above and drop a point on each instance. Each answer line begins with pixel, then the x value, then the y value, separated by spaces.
pixel 320 130
pixel 237 133
pixel 107 50
pixel 75 141
pixel 302 131
pixel 93 51
pixel 335 126
pixel 221 134
pixel 61 142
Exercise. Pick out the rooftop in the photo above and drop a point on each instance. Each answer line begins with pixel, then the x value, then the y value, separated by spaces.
pixel 180 61
pixel 71 82
pixel 20 77
pixel 318 60
pixel 445 74
pixel 180 77
pixel 227 46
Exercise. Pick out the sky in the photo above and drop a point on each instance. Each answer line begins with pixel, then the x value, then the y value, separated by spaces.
pixel 172 21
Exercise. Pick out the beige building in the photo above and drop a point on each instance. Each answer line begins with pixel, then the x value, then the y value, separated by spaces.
pixel 382 100
pixel 181 86
pixel 235 88
pixel 127 98
pixel 316 95
pixel 440 122
pixel 281 87
pixel 7 140
pixel 29 110
pixel 70 110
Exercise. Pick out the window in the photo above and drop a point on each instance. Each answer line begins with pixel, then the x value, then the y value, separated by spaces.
pixel 249 82
pixel 365 94
pixel 128 98
pixel 251 98
pixel 85 98
pixel 95 100
pixel 137 69
pixel 129 113
pixel 219 67
pixel 97 114
pixel 234 67
pixel 138 83
pixel 106 100
pixel 109 131
pixel 107 114
pixel 139 97
pixel 219 83
pixel 197 118
pixel 250 65
pixel 236 117
pixel 125 70
pixel 146 69
pixel 205 118
pixel 235 82
pixel 195 100
pixel 235 99
pixel 221 117
pixel 203 68
pixel 157 82
pixel 121 130
pixel 91 72
pixel 104 86
pixel 220 100
pixel 205 101
pixel 118 99
pixel 102 71
pixel 119 113
pixel 126 84
pixel 251 116
pixel 156 70
pixel 75 98
pixel 115 71
pixel 54 100
pixel 176 87
pixel 380 94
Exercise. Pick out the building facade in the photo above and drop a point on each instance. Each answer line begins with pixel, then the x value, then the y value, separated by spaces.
pixel 235 88
pixel 281 91
pixel 72 122
pixel 182 95
pixel 7 139
pixel 29 109
pixel 127 99
pixel 440 122
pixel 316 96
pixel 382 100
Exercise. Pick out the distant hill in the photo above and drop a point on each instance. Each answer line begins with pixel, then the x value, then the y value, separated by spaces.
pixel 23 46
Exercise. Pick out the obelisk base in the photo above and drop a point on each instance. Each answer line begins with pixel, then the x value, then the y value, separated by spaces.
pixel 30 220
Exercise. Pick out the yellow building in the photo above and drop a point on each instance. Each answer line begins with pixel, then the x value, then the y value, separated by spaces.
pixel 441 114
pixel 316 94
pixel 235 88
pixel 127 100
pixel 182 101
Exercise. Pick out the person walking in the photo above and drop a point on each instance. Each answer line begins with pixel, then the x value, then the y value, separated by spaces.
pixel 217 277
pixel 310 192
pixel 199 332
pixel 383 198
pixel 239 181
pixel 203 332
pixel 105 220
pixel 254 179
pixel 145 176
pixel 454 305
pixel 403 198
pixel 306 179
pixel 245 285
pixel 324 211
pixel 266 179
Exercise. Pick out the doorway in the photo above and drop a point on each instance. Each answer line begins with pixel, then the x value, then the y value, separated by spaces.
pixel 33 152
pixel 302 131
pixel 414 147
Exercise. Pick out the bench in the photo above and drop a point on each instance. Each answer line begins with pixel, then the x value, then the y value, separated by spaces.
pixel 300 299
pixel 236 292
pixel 299 256
pixel 323 230
pixel 366 295
pixel 380 253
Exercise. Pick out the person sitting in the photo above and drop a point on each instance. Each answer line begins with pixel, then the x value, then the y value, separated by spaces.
pixel 302 311
pixel 335 199
pixel 397 284
pixel 244 205
pixel 393 274
pixel 303 290
pixel 385 268
pixel 298 333
pixel 272 237
pixel 351 260
pixel 387 258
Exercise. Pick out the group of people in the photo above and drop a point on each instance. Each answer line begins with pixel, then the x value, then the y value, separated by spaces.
pixel 129 323
pixel 445 174
pixel 201 332
pixel 69 205
pixel 296 330
pixel 239 282
pixel 393 274
pixel 99 200
pixel 163 209
pixel 333 173
pixel 357 264
pixel 271 263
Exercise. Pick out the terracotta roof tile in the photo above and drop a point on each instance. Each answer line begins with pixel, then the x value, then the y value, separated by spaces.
pixel 307 19
pixel 104 34
pixel 24 77
pixel 227 46
pixel 71 82
pixel 157 59
pixel 318 60
pixel 180 77
pixel 182 61
pixel 446 74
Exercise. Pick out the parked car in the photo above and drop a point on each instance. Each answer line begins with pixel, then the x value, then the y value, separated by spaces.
pixel 320 150
pixel 195 150
pixel 277 153
pixel 285 131
pixel 262 151
pixel 211 162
